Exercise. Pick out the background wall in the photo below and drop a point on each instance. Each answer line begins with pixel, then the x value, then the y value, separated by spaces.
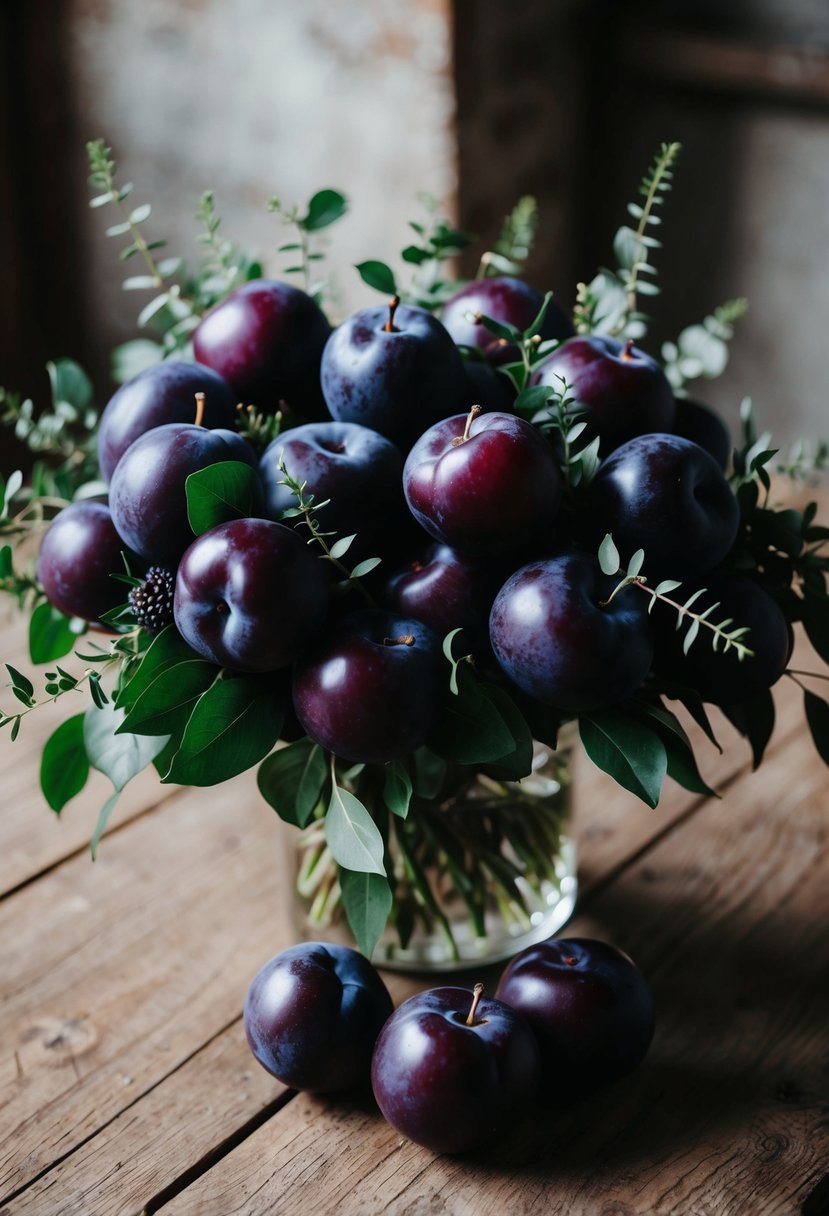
pixel 474 101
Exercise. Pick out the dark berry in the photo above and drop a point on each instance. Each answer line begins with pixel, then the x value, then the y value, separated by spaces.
pixel 152 602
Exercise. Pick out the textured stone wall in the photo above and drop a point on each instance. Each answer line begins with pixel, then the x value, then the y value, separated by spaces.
pixel 262 98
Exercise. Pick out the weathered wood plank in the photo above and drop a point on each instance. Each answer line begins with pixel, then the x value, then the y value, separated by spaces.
pixel 727 915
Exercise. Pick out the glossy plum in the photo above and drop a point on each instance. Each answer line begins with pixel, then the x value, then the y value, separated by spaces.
pixel 449 1084
pixel 503 298
pixel 312 1016
pixel 249 595
pixel 370 689
pixel 486 387
pixel 397 381
pixel 485 484
pixel 591 1010
pixel 266 339
pixel 446 591
pixel 666 495
pixel 625 391
pixel 555 635
pixel 163 393
pixel 147 495
pixel 79 553
pixel 357 469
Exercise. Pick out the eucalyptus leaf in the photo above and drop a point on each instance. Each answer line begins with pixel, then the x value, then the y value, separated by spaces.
pixel 352 835
pixel 118 756
pixel 101 823
pixel 609 559
pixel 397 788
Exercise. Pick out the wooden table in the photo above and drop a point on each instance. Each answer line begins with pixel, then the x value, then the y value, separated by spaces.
pixel 127 1086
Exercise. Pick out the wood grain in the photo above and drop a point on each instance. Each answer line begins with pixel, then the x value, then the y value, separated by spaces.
pixel 730 1114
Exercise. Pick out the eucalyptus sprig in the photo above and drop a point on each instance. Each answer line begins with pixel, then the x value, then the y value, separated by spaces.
pixel 609 303
pixel 563 414
pixel 515 241
pixel 531 350
pixel 724 637
pixel 225 266
pixel 702 350
pixel 323 209
pixel 306 511
pixel 58 683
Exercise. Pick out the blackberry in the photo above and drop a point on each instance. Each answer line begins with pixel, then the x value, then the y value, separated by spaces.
pixel 152 602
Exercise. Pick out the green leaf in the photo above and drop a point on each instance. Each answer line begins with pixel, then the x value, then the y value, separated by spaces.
pixel 501 329
pixel 292 780
pixel 234 724
pixel 430 773
pixel 516 763
pixel 367 900
pixel 228 490
pixel 397 789
pixel 815 614
pixel 102 821
pixel 529 400
pixel 754 718
pixel 325 208
pixel 629 751
pixel 682 764
pixel 166 649
pixel 64 767
pixel 379 276
pixel 159 709
pixel 817 715
pixel 20 682
pixel 353 837
pixel 609 556
pixel 70 384
pixel 119 757
pixel 471 729
pixel 51 635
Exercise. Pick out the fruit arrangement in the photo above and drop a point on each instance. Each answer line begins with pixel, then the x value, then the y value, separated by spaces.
pixel 450 1067
pixel 379 560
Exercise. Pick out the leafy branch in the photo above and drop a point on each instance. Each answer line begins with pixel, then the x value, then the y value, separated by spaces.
pixel 305 511
pixel 225 266
pixel 515 241
pixel 323 209
pixel 563 414
pixel 702 350
pixel 728 639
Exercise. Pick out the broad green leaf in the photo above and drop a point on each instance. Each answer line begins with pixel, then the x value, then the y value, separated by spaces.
pixel 353 837
pixel 754 718
pixel 397 789
pixel 159 708
pixel 682 764
pixel 224 491
pixel 292 780
pixel 629 751
pixel 517 763
pixel 817 715
pixel 70 384
pixel 501 329
pixel 51 635
pixel 324 208
pixel 379 276
pixel 64 767
pixel 232 727
pixel 529 400
pixel 119 757
pixel 165 650
pixel 367 901
pixel 471 729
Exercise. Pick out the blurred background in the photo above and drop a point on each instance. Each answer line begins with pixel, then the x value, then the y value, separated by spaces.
pixel 475 102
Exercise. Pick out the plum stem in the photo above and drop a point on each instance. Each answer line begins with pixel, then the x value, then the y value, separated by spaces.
pixel 477 993
pixel 390 326
pixel 405 639
pixel 627 353
pixel 199 409
pixel 473 414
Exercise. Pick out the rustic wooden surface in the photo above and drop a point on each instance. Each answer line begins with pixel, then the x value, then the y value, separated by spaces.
pixel 126 1085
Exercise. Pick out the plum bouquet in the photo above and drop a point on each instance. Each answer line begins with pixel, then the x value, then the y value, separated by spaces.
pixel 403 565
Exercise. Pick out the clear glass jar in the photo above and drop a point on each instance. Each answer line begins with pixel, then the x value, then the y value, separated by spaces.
pixel 481 871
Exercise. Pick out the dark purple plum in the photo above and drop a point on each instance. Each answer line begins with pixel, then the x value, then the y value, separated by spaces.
pixel 625 390
pixel 503 298
pixel 79 553
pixel 557 638
pixel 701 425
pixel 250 595
pixel 161 394
pixel 312 1016
pixel 668 496
pixel 446 591
pixel 357 469
pixel 396 380
pixel 147 495
pixel 591 1010
pixel 370 690
pixel 266 339
pixel 451 1068
pixel 485 484
pixel 723 678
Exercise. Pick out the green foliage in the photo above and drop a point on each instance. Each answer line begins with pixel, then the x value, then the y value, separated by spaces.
pixel 233 725
pixel 633 754
pixel 222 492
pixel 64 767
pixel 323 209
pixel 515 241
pixel 397 788
pixel 702 350
pixel 51 634
pixel 352 835
pixel 120 757
pixel 367 900
pixel 293 780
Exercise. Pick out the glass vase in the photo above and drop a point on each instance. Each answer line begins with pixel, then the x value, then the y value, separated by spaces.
pixel 480 871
